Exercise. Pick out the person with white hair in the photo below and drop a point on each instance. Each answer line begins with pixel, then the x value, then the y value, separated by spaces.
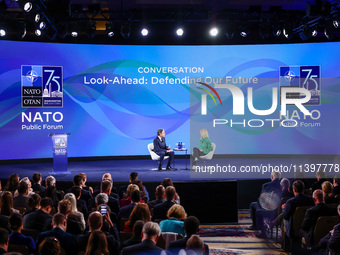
pixel 270 195
pixel 74 213
pixel 150 234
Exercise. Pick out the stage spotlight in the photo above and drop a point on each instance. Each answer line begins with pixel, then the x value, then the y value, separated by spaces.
pixel 21 28
pixel 125 31
pixel 179 32
pixel 314 33
pixel 42 25
pixel 244 32
pixel 74 30
pixel 2 32
pixel 109 29
pixel 28 7
pixel 336 23
pixel 37 18
pixel 329 33
pixel 144 32
pixel 38 32
pixel 287 32
pixel 74 34
pixel 213 31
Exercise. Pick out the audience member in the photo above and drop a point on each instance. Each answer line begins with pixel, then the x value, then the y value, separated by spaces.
pixel 51 191
pixel 168 182
pixel 81 203
pixel 73 227
pixel 40 219
pixel 160 197
pixel 113 203
pixel 95 222
pixel 327 189
pixel 195 244
pixel 97 244
pixel 174 223
pixel 285 187
pixel 336 189
pixel 107 177
pixel 191 227
pixel 33 203
pixel 122 190
pixel 21 199
pixel 74 214
pixel 143 196
pixel 160 211
pixel 88 188
pixel 289 207
pixel 139 212
pixel 37 187
pixel 126 211
pixel 4 240
pixel 7 204
pixel 126 201
pixel 15 222
pixel 312 215
pixel 150 235
pixel 50 246
pixel 321 177
pixel 29 185
pixel 67 241
pixel 12 183
pixel 137 234
pixel 78 182
pixel 269 188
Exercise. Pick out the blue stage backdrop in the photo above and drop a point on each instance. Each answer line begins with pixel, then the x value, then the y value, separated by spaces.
pixel 112 99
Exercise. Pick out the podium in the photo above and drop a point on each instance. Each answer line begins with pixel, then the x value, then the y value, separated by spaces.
pixel 59 149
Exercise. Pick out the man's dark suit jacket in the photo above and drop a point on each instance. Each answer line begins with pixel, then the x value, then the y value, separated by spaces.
pixel 311 217
pixel 336 190
pixel 38 187
pixel 159 146
pixel 334 241
pixel 160 211
pixel 145 247
pixel 85 194
pixel 125 211
pixel 38 220
pixel 20 201
pixel 67 241
pixel 317 185
pixel 291 204
pixel 155 202
pixel 113 194
pixel 176 246
pixel 273 186
pixel 113 204
pixel 112 242
pixel 82 207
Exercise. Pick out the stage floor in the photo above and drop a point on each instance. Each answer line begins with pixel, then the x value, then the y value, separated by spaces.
pixel 119 169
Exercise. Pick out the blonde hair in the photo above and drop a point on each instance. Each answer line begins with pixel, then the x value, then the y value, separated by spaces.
pixel 176 211
pixel 72 198
pixel 204 133
pixel 131 188
pixel 327 187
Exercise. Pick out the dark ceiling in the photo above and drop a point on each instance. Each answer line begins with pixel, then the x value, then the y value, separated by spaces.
pixel 260 19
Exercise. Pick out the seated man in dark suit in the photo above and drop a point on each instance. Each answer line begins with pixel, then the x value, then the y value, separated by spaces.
pixel 150 234
pixel 41 219
pixel 289 207
pixel 113 203
pixel 124 212
pixel 114 193
pixel 321 177
pixel 160 211
pixel 67 241
pixel 4 241
pixel 73 227
pixel 21 199
pixel 160 197
pixel 162 150
pixel 81 204
pixel 336 186
pixel 312 215
pixel 191 227
pixel 78 182
pixel 36 186
pixel 257 212
pixel 95 223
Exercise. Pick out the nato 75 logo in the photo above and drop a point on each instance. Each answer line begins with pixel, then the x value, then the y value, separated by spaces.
pixel 42 86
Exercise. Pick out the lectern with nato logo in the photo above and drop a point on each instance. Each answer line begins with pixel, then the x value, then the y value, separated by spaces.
pixel 60 160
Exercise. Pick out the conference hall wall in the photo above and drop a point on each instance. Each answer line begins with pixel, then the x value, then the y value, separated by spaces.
pixel 112 98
